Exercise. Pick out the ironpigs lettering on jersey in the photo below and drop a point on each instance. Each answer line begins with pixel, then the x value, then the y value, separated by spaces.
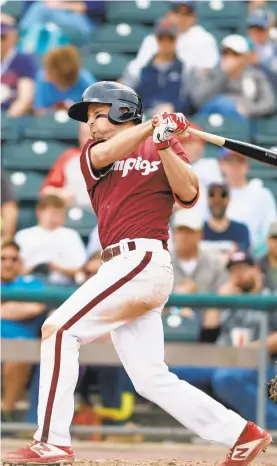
pixel 132 198
pixel 144 166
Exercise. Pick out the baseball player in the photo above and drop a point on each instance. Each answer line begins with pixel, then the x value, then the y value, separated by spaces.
pixel 134 172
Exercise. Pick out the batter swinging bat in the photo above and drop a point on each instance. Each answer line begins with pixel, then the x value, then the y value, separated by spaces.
pixel 250 150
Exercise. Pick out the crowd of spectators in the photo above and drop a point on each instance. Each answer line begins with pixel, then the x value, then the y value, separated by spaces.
pixel 226 244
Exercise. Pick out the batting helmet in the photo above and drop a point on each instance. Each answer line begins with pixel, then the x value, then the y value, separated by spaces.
pixel 113 93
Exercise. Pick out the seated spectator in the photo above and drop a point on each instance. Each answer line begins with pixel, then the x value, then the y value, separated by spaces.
pixel 161 83
pixel 72 14
pixel 17 73
pixel 268 262
pixel 93 245
pixel 61 82
pixel 9 209
pixel 18 320
pixel 250 202
pixel 237 387
pixel 49 248
pixel 195 46
pixel 65 178
pixel 264 53
pixel 220 233
pixel 232 87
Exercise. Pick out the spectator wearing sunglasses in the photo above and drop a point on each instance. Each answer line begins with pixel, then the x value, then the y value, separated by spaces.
pixel 18 320
pixel 268 263
pixel 219 232
pixel 264 53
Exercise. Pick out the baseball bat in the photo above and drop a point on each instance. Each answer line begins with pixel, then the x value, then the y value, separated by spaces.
pixel 250 150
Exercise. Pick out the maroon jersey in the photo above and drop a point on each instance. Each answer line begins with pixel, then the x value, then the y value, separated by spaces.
pixel 132 198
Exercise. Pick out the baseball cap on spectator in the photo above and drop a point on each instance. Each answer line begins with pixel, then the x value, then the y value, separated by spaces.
pixel 240 257
pixel 259 17
pixel 236 43
pixel 178 6
pixel 165 27
pixel 223 186
pixel 190 218
pixel 225 153
pixel 272 232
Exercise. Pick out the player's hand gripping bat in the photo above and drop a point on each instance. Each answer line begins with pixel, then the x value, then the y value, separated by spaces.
pixel 250 150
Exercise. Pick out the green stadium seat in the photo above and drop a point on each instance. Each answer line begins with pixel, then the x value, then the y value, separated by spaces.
pixel 179 328
pixel 229 127
pixel 32 154
pixel 266 131
pixel 26 185
pixel 27 216
pixel 10 128
pixel 141 11
pixel 105 65
pixel 122 37
pixel 54 125
pixel 13 8
pixel 221 14
pixel 81 220
pixel 211 151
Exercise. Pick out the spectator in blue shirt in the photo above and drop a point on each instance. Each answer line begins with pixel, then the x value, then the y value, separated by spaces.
pixel 61 82
pixel 18 320
pixel 73 15
pixel 162 83
pixel 219 232
pixel 265 49
pixel 17 74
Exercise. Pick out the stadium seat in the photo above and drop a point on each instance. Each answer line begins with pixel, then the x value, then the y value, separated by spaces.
pixel 80 220
pixel 105 65
pixel 32 154
pixel 266 131
pixel 179 328
pixel 13 8
pixel 141 11
pixel 211 150
pixel 122 37
pixel 27 216
pixel 10 127
pixel 230 127
pixel 26 185
pixel 55 125
pixel 222 14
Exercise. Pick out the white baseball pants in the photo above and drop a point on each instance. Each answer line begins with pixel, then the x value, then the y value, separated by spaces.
pixel 126 298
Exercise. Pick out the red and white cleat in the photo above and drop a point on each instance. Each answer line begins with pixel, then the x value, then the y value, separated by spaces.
pixel 39 453
pixel 252 441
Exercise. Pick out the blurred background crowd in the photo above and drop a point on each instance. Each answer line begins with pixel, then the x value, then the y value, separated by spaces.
pixel 215 61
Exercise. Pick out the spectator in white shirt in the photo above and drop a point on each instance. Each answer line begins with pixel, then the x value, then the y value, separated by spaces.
pixel 49 248
pixel 196 47
pixel 250 202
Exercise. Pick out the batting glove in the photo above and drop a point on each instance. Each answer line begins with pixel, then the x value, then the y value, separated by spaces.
pixel 163 129
pixel 181 121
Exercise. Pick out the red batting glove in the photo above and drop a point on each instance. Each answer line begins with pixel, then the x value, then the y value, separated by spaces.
pixel 181 121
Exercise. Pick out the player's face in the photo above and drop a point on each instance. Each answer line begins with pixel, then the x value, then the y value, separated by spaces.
pixel 272 246
pixel 10 263
pixel 100 126
pixel 218 200
pixel 51 218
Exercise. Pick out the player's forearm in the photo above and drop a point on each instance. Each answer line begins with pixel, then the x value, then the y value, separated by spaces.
pixel 181 178
pixel 120 145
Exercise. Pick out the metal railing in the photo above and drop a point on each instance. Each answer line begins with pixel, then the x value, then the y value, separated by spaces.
pixel 230 356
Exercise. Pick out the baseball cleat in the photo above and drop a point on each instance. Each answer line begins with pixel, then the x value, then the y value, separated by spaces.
pixel 39 453
pixel 252 441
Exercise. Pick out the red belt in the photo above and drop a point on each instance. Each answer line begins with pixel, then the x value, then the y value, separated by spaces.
pixel 113 251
